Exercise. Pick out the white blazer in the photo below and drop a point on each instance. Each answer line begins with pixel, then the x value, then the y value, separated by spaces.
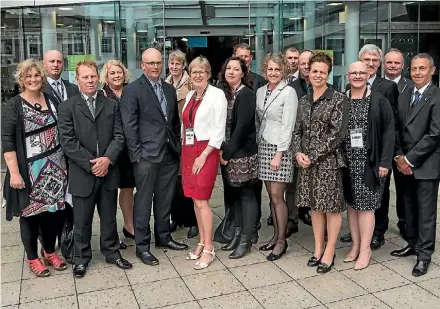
pixel 275 120
pixel 210 120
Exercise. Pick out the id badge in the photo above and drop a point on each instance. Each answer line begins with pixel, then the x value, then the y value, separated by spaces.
pixel 189 137
pixel 356 138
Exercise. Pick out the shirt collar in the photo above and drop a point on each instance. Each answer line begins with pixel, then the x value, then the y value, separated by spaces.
pixel 371 80
pixel 328 94
pixel 86 97
pixel 152 82
pixel 396 80
pixel 51 80
pixel 421 90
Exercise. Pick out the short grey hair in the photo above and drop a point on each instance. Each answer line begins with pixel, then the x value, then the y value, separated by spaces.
pixel 371 48
pixel 179 55
pixel 424 56
pixel 279 59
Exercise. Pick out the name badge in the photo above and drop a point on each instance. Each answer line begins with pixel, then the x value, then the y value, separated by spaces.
pixel 189 137
pixel 356 138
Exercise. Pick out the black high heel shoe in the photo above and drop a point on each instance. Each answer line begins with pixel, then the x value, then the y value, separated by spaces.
pixel 127 234
pixel 274 257
pixel 267 247
pixel 314 261
pixel 323 268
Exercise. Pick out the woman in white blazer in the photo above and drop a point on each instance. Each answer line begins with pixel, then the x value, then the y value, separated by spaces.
pixel 203 131
pixel 277 105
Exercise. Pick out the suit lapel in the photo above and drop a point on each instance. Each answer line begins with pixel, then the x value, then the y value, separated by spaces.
pixel 151 93
pixel 423 100
pixel 70 89
pixel 401 85
pixel 99 105
pixel 49 89
pixel 169 98
pixel 82 106
pixel 376 84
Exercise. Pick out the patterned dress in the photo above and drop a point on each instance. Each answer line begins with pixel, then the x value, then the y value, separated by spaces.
pixel 266 152
pixel 45 161
pixel 363 198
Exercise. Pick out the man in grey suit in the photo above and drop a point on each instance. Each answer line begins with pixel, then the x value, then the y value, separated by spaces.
pixel 417 155
pixel 393 64
pixel 152 130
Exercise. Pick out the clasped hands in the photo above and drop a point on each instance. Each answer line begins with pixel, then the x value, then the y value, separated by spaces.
pixel 100 166
pixel 303 160
pixel 403 166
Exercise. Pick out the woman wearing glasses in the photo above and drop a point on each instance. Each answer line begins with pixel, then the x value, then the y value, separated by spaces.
pixel 319 132
pixel 277 104
pixel 368 148
pixel 203 131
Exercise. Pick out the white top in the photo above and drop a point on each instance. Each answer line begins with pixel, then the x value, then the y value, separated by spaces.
pixel 421 90
pixel 210 119
pixel 51 81
pixel 275 120
pixel 396 80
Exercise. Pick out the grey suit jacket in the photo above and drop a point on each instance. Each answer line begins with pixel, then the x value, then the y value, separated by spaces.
pixel 147 131
pixel 71 90
pixel 418 132
pixel 404 83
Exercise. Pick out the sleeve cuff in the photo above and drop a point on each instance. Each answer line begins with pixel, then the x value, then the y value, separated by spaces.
pixel 409 163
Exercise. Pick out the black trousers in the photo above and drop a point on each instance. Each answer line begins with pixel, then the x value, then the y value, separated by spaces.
pixel 45 224
pixel 244 202
pixel 400 207
pixel 258 187
pixel 83 211
pixel 420 200
pixel 158 179
pixel 381 214
pixel 182 207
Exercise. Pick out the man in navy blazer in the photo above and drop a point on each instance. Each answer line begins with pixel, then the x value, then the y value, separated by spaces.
pixel 151 125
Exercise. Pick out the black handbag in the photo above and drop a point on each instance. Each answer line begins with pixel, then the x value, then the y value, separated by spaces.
pixel 67 241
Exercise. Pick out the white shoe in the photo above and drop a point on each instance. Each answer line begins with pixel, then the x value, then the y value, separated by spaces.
pixel 202 265
pixel 192 256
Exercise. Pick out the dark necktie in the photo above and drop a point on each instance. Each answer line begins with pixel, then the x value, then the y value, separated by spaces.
pixel 59 89
pixel 309 88
pixel 417 96
pixel 91 106
pixel 160 98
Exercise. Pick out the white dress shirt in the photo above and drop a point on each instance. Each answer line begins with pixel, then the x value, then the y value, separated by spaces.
pixel 51 83
pixel 371 81
pixel 396 80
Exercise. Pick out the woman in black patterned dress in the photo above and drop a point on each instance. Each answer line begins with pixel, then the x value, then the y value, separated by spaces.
pixel 368 148
pixel 239 160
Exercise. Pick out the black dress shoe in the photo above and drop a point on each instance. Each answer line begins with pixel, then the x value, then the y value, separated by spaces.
pixel 305 217
pixel 313 261
pixel 291 228
pixel 192 232
pixel 421 268
pixel 274 257
pixel 147 258
pixel 127 234
pixel 323 268
pixel 407 251
pixel 346 238
pixel 270 220
pixel 121 263
pixel 79 271
pixel 377 241
pixel 171 244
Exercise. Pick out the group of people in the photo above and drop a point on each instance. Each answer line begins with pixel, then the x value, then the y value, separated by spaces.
pixel 317 151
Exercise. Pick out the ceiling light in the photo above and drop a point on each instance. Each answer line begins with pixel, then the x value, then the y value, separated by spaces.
pixel 335 3
pixel 184 39
pixel 3 27
pixel 63 8
pixel 60 25
pixel 142 31
pixel 295 18
pixel 109 21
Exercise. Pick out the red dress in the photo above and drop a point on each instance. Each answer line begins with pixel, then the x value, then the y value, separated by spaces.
pixel 197 186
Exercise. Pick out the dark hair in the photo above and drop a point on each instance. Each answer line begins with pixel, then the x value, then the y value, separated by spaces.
pixel 321 57
pixel 292 49
pixel 242 46
pixel 246 80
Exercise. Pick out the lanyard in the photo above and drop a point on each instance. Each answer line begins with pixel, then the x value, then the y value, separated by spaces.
pixel 358 108
pixel 194 106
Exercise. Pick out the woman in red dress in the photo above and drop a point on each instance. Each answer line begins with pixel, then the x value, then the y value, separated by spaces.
pixel 203 131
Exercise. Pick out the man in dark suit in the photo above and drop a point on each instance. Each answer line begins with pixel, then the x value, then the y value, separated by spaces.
pixel 393 64
pixel 54 85
pixel 91 136
pixel 371 55
pixel 292 55
pixel 417 155
pixel 152 130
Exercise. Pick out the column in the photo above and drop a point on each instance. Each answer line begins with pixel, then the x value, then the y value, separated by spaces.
pixel 49 29
pixel 309 25
pixel 131 38
pixel 94 16
pixel 351 40
pixel 277 32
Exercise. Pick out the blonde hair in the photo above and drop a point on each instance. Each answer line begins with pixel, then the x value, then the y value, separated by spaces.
pixel 24 67
pixel 201 61
pixel 179 55
pixel 103 78
pixel 86 63
pixel 279 59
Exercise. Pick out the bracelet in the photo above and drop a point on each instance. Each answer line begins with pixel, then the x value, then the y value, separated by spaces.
pixel 205 153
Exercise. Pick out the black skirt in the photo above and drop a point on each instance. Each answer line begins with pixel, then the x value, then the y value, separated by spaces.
pixel 126 175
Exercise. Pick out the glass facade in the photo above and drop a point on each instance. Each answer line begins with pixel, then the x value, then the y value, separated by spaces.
pixel 122 29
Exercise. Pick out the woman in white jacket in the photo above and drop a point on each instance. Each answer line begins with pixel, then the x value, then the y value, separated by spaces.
pixel 277 105
pixel 203 131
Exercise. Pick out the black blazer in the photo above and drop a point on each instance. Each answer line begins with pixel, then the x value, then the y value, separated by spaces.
pixel 13 139
pixel 258 81
pixel 79 135
pixel 71 90
pixel 404 83
pixel 242 142
pixel 146 130
pixel 300 86
pixel 418 132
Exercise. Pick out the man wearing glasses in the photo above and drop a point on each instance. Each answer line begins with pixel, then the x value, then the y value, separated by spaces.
pixel 152 129
pixel 372 55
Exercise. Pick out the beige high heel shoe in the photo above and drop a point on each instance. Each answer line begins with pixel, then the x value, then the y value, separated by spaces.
pixel 202 265
pixel 192 256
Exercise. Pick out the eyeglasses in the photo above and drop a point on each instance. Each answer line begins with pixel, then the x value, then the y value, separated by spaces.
pixel 199 73
pixel 355 73
pixel 153 63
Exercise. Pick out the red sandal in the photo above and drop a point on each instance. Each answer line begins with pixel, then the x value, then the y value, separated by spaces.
pixel 54 260
pixel 38 268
